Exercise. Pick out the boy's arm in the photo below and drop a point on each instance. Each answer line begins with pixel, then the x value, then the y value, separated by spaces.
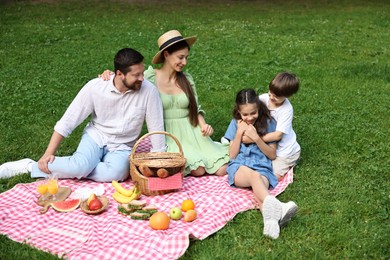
pixel 272 137
pixel 268 149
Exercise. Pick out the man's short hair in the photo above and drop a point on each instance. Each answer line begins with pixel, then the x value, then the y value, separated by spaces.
pixel 125 58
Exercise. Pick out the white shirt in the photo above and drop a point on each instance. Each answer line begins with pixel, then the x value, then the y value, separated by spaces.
pixel 116 118
pixel 283 116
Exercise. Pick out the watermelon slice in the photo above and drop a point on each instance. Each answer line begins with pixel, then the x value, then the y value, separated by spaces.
pixel 67 205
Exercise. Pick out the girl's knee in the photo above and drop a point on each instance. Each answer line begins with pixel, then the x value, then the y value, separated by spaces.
pixel 255 177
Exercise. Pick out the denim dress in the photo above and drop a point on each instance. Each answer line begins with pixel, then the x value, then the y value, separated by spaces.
pixel 251 156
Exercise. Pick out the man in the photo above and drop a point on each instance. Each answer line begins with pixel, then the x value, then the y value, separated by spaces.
pixel 118 108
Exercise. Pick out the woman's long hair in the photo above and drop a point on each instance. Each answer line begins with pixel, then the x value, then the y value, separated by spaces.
pixel 185 85
pixel 249 96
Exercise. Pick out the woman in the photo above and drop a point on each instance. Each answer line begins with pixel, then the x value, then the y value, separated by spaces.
pixel 183 117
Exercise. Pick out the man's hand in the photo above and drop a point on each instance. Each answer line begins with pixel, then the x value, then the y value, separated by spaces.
pixel 43 163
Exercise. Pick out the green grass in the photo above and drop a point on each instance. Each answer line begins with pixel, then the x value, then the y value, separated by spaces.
pixel 339 49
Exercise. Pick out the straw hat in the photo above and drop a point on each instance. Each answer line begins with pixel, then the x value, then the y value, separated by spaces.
pixel 167 39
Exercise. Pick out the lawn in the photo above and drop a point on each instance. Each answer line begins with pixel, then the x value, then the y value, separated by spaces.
pixel 339 49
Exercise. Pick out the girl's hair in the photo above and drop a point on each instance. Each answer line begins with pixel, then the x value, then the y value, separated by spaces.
pixel 185 85
pixel 284 84
pixel 249 96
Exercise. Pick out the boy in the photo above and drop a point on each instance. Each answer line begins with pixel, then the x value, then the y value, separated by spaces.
pixel 283 86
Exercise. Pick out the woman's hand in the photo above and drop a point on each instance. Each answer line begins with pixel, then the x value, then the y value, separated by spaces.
pixel 207 130
pixel 44 161
pixel 106 75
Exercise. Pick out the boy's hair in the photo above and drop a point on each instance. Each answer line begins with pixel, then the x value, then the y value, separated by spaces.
pixel 284 84
pixel 125 58
pixel 249 96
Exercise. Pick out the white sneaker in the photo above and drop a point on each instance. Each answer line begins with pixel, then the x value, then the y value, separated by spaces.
pixel 10 169
pixel 289 210
pixel 272 213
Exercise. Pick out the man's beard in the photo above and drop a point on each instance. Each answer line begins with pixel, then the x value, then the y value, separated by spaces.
pixel 135 86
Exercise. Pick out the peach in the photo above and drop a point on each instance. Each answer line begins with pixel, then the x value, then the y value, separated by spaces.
pixel 190 215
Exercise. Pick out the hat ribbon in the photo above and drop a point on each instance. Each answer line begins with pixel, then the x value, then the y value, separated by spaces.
pixel 174 39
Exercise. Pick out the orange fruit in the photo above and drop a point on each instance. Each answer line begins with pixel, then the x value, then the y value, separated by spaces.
pixel 190 215
pixel 187 205
pixel 159 221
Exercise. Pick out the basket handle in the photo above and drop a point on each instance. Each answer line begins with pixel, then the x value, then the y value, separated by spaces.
pixel 152 133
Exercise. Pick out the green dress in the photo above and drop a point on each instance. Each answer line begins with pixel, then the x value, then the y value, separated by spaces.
pixel 198 150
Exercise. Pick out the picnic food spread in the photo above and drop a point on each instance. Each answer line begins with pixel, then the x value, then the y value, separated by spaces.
pixel 129 203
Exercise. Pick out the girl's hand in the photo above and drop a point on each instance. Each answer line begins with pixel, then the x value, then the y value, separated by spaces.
pixel 106 75
pixel 43 163
pixel 207 130
pixel 242 126
pixel 252 133
pixel 246 140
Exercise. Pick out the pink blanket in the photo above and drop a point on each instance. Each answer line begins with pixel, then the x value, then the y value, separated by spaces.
pixel 76 235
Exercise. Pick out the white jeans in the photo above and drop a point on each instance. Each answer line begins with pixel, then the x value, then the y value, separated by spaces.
pixel 91 162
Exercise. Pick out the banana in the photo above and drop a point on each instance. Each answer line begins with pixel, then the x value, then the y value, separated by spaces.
pixel 135 195
pixel 120 193
pixel 120 198
pixel 138 195
pixel 118 187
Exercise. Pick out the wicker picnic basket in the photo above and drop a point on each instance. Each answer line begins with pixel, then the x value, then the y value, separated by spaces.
pixel 174 162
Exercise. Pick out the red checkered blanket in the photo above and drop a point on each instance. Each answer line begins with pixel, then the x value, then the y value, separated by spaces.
pixel 76 235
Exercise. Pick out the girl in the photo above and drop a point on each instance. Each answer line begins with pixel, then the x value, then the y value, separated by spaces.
pixel 250 164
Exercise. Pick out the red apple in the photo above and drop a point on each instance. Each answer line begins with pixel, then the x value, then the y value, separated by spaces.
pixel 95 204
